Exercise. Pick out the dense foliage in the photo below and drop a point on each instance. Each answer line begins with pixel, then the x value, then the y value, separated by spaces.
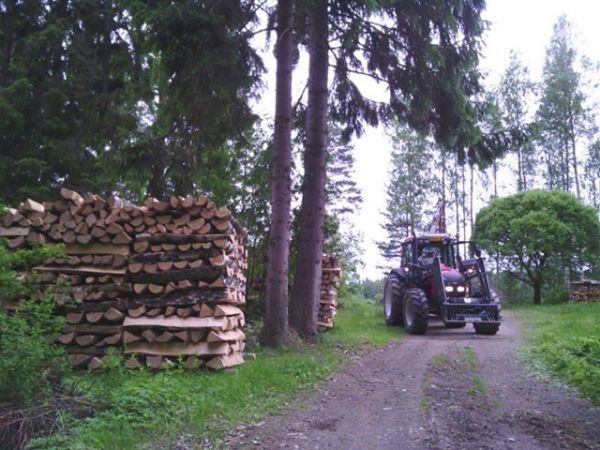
pixel 113 96
pixel 31 366
pixel 533 230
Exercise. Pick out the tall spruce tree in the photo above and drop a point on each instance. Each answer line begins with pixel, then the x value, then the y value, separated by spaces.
pixel 343 199
pixel 562 116
pixel 514 93
pixel 201 74
pixel 413 181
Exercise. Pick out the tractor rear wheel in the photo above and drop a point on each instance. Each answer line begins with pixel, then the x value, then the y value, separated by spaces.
pixel 415 311
pixel 392 300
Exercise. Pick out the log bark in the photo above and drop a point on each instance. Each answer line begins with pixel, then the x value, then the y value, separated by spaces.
pixel 168 238
pixel 206 273
pixel 307 277
pixel 276 299
pixel 97 249
pixel 92 329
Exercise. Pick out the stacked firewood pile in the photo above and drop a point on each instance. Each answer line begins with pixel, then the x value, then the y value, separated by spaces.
pixel 165 279
pixel 331 272
pixel 585 291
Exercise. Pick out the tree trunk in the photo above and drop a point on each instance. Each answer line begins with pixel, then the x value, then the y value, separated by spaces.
pixel 455 182
pixel 537 292
pixel 495 176
pixel 307 279
pixel 574 150
pixel 443 190
pixel 276 292
pixel 156 184
pixel 471 196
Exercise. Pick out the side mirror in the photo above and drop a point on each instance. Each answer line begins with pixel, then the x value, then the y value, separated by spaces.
pixel 477 251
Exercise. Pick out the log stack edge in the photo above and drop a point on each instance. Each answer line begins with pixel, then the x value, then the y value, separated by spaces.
pixel 330 277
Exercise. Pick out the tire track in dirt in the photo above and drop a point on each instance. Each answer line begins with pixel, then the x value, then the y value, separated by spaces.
pixel 406 396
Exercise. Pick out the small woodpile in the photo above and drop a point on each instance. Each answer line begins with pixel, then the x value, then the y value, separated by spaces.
pixel 331 272
pixel 585 291
pixel 165 278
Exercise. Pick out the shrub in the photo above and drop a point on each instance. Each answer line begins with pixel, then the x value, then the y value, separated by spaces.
pixel 31 367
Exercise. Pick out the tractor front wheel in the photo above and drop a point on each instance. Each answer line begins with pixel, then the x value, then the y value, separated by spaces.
pixel 392 300
pixel 488 329
pixel 415 311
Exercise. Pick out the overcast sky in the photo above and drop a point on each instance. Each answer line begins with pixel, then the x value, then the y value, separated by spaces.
pixel 524 25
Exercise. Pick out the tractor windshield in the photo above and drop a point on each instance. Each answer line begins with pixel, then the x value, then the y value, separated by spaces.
pixel 427 251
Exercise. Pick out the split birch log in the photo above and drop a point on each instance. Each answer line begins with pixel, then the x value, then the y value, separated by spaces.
pixel 173 322
pixel 114 339
pixel 155 362
pixel 71 196
pixel 132 363
pixel 178 348
pixel 222 362
pixel 113 315
pixel 95 363
pixel 225 336
pixel 66 338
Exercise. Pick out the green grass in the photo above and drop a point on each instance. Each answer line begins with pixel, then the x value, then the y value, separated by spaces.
pixel 439 359
pixel 361 321
pixel 478 386
pixel 141 409
pixel 565 339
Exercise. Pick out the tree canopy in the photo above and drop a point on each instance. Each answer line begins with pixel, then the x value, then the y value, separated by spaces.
pixel 531 229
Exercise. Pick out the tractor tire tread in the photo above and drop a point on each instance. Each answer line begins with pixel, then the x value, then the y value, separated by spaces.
pixel 420 307
pixel 396 291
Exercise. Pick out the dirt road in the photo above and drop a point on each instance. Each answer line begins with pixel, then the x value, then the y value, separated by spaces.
pixel 450 389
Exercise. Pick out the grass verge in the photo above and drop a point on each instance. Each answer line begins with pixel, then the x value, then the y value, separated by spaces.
pixel 566 340
pixel 142 409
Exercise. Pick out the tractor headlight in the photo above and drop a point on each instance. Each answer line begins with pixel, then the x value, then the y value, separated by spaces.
pixel 449 288
pixel 460 289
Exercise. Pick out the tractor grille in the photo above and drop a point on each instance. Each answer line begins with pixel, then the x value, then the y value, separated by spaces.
pixel 460 313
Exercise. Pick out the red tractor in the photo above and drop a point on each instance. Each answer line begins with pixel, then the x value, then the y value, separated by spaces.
pixel 434 280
